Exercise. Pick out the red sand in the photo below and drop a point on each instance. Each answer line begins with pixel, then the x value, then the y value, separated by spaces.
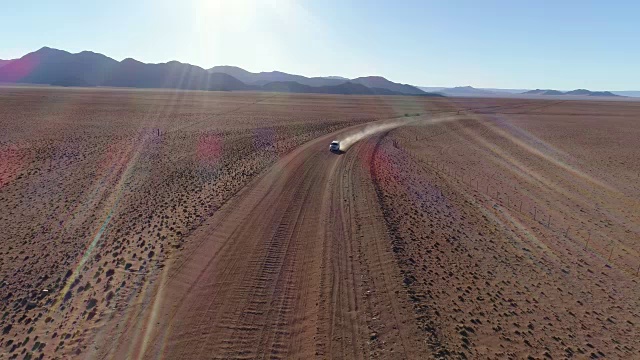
pixel 195 225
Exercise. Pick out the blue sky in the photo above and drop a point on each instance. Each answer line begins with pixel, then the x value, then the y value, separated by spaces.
pixel 509 44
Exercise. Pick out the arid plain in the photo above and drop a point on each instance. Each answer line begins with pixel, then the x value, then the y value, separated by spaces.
pixel 186 224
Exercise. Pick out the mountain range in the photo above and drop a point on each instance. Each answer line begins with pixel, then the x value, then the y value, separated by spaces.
pixel 466 91
pixel 378 84
pixel 543 92
pixel 263 78
pixel 469 91
pixel 345 88
pixel 49 66
pixel 61 68
pixel 577 92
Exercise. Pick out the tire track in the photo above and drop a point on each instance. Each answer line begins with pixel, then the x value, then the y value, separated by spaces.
pixel 297 265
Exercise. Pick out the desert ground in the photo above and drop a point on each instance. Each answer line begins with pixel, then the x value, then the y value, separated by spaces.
pixel 146 224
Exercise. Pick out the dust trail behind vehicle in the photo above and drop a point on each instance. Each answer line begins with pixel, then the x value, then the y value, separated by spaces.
pixel 352 138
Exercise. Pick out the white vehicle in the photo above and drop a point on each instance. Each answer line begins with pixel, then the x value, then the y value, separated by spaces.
pixel 335 146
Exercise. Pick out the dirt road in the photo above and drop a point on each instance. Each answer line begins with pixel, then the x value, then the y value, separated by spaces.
pixel 297 265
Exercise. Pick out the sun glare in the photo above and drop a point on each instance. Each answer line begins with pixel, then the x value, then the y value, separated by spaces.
pixel 223 13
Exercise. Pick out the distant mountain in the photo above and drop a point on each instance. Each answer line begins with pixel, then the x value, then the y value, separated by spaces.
pixel 382 83
pixel 4 62
pixel 509 93
pixel 47 66
pixel 346 88
pixel 336 78
pixel 61 68
pixel 581 92
pixel 172 75
pixel 543 92
pixel 577 92
pixel 264 78
pixel 238 73
pixel 71 81
pixel 604 93
pixel 272 76
pixel 627 93
pixel 584 92
pixel 431 88
pixel 466 91
pixel 506 91
pixel 470 91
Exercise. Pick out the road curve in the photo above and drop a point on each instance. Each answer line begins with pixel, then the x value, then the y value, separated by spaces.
pixel 296 265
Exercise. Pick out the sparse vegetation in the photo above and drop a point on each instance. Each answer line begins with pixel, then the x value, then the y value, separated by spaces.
pixel 107 172
pixel 478 265
pixel 115 182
